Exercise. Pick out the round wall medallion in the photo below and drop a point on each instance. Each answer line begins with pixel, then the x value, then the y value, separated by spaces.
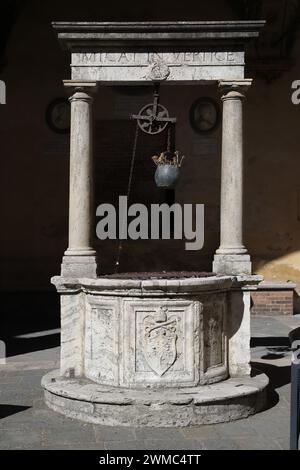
pixel 58 115
pixel 204 115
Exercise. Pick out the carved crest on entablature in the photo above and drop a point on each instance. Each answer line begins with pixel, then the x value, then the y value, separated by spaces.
pixel 158 71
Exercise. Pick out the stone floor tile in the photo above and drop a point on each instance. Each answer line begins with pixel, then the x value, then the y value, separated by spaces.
pixel 223 443
pixel 78 446
pixel 172 444
pixel 70 433
pixel 258 443
pixel 160 433
pixel 125 445
pixel 284 442
pixel 234 429
pixel 110 433
pixel 202 432
pixel 16 438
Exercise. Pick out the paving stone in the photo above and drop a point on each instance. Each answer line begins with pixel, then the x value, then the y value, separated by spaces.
pixel 271 428
pixel 31 381
pixel 14 397
pixel 285 393
pixel 284 443
pixel 20 438
pixel 9 379
pixel 109 433
pixel 167 444
pixel 202 432
pixel 160 433
pixel 125 445
pixel 81 446
pixel 233 429
pixel 220 444
pixel 268 327
pixel 22 373
pixel 258 443
pixel 47 415
pixel 62 433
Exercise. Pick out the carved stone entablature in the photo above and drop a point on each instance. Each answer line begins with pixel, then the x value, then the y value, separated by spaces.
pixel 169 52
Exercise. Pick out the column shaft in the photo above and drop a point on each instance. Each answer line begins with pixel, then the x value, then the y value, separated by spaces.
pixel 80 257
pixel 232 256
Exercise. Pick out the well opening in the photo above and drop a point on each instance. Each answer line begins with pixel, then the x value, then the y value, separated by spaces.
pixel 158 275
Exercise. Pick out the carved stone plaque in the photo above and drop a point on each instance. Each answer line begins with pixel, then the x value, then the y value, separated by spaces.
pixel 159 340
pixel 177 66
pixel 161 343
pixel 188 57
pixel 101 343
pixel 213 318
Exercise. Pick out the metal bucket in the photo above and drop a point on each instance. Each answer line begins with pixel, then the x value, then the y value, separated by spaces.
pixel 166 176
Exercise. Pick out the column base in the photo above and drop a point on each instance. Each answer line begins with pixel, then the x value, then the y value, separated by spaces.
pixel 79 266
pixel 232 264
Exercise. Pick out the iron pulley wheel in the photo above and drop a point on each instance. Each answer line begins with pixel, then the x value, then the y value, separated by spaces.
pixel 151 122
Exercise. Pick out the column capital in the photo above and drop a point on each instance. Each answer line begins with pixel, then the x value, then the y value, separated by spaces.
pixel 231 89
pixel 86 86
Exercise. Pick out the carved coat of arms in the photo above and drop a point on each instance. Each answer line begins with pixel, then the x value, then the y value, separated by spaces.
pixel 158 71
pixel 160 340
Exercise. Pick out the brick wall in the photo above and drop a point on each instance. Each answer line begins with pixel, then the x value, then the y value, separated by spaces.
pixel 272 301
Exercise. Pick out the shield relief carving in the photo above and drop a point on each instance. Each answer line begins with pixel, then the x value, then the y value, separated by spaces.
pixel 159 340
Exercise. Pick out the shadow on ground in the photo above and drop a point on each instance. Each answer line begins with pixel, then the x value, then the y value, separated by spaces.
pixel 273 341
pixel 8 410
pixel 273 349
pixel 278 377
pixel 27 313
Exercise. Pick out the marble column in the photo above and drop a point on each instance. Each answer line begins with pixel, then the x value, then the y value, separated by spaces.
pixel 80 258
pixel 232 256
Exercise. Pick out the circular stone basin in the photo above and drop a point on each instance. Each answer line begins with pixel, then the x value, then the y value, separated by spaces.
pixel 159 275
pixel 143 331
